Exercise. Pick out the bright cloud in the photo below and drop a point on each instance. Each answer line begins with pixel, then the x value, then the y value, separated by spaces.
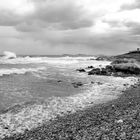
pixel 17 6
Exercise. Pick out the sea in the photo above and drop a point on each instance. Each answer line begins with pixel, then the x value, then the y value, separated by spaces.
pixel 27 78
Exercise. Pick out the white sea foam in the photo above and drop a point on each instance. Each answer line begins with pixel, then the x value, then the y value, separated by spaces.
pixel 19 71
pixel 34 115
pixel 9 55
pixel 58 60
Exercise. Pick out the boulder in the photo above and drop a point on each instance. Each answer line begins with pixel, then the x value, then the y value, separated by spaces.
pixel 95 71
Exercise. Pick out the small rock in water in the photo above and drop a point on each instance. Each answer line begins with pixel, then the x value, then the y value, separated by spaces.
pixel 90 67
pixel 113 106
pixel 99 83
pixel 77 84
pixel 81 70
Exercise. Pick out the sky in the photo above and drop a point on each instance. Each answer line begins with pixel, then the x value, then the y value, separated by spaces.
pixel 69 26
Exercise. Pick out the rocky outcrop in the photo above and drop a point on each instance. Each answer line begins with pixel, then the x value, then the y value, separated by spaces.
pixel 116 70
pixel 98 71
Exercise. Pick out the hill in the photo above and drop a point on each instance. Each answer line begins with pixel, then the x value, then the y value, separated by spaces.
pixel 131 55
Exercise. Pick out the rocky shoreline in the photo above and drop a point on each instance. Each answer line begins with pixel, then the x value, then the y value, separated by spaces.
pixel 118 68
pixel 116 120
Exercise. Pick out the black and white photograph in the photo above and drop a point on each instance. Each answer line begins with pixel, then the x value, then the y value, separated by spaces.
pixel 69 69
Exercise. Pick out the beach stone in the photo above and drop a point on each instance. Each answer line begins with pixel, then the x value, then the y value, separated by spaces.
pixel 119 121
pixel 113 106
pixel 123 136
pixel 105 137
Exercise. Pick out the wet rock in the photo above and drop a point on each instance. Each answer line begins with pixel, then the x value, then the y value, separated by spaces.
pixel 95 71
pixel 77 84
pixel 99 83
pixel 81 70
pixel 103 71
pixel 100 58
pixel 6 127
pixel 116 70
pixel 90 67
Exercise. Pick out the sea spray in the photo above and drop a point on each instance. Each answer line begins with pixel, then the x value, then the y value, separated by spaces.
pixel 9 55
pixel 36 60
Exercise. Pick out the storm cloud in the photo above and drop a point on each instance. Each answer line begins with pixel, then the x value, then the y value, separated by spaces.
pixel 68 26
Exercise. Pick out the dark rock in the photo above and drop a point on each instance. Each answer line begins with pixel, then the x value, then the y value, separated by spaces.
pixel 109 67
pixel 116 70
pixel 59 81
pixel 99 83
pixel 103 71
pixel 81 70
pixel 77 84
pixel 90 67
pixel 100 58
pixel 95 71
pixel 127 69
pixel 6 127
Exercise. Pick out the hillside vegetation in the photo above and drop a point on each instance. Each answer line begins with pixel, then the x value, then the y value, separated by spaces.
pixel 131 55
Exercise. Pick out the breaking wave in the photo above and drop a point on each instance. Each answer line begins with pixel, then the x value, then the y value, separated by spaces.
pixel 9 55
pixel 49 60
pixel 19 71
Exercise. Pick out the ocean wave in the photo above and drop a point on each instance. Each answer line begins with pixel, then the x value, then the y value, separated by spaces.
pixel 49 60
pixel 19 71
pixel 9 55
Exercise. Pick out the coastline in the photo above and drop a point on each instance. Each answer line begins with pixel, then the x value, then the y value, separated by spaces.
pixel 113 119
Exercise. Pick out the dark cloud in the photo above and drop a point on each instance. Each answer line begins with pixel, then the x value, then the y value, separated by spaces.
pixel 62 26
pixel 134 27
pixel 54 14
pixel 8 18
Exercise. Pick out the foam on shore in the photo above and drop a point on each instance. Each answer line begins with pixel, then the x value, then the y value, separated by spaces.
pixel 19 71
pixel 49 60
pixel 33 115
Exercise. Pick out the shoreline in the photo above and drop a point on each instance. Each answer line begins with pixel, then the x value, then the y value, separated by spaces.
pixel 117 119
pixel 60 121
